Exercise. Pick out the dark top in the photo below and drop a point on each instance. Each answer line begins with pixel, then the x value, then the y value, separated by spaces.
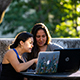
pixel 9 73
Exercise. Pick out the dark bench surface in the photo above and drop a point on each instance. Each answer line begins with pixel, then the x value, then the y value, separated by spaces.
pixel 75 75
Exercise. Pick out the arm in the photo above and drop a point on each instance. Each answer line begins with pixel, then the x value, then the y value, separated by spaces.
pixel 11 57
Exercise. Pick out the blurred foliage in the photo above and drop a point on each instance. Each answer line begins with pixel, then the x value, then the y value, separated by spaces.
pixel 62 17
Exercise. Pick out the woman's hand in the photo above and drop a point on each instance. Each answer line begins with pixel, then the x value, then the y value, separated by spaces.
pixel 35 60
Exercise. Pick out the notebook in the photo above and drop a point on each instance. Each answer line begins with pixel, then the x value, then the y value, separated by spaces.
pixel 69 60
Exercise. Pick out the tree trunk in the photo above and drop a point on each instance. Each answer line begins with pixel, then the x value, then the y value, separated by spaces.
pixel 3 5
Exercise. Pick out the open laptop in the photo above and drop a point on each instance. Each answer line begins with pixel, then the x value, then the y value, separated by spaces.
pixel 47 62
pixel 69 60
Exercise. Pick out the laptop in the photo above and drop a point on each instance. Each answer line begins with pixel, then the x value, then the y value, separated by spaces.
pixel 69 60
pixel 47 62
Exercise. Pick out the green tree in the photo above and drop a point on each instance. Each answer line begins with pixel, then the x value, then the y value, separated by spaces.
pixel 60 16
pixel 69 23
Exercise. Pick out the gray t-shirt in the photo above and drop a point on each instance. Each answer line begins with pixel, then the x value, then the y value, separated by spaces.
pixel 53 46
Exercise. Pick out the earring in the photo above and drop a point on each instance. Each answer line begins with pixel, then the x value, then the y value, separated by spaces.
pixel 22 47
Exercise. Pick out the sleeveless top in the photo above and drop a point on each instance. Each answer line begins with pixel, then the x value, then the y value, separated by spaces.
pixel 9 73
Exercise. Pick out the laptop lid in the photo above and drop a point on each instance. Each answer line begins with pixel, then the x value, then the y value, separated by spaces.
pixel 47 62
pixel 69 60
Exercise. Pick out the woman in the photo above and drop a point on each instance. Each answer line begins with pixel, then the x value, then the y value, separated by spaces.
pixel 42 41
pixel 13 62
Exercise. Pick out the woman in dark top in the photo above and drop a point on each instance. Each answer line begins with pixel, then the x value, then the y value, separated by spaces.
pixel 13 62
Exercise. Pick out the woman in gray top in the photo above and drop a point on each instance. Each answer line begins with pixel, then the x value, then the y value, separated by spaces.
pixel 42 42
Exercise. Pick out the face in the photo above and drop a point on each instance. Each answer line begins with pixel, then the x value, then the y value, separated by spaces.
pixel 41 38
pixel 28 44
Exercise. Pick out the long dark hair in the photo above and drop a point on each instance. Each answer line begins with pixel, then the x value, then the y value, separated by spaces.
pixel 36 49
pixel 22 36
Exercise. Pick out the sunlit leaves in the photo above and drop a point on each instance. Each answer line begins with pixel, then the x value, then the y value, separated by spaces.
pixel 60 16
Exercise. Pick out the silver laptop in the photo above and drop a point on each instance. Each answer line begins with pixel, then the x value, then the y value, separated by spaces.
pixel 47 62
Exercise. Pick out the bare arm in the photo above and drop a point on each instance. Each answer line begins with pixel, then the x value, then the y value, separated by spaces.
pixel 11 57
